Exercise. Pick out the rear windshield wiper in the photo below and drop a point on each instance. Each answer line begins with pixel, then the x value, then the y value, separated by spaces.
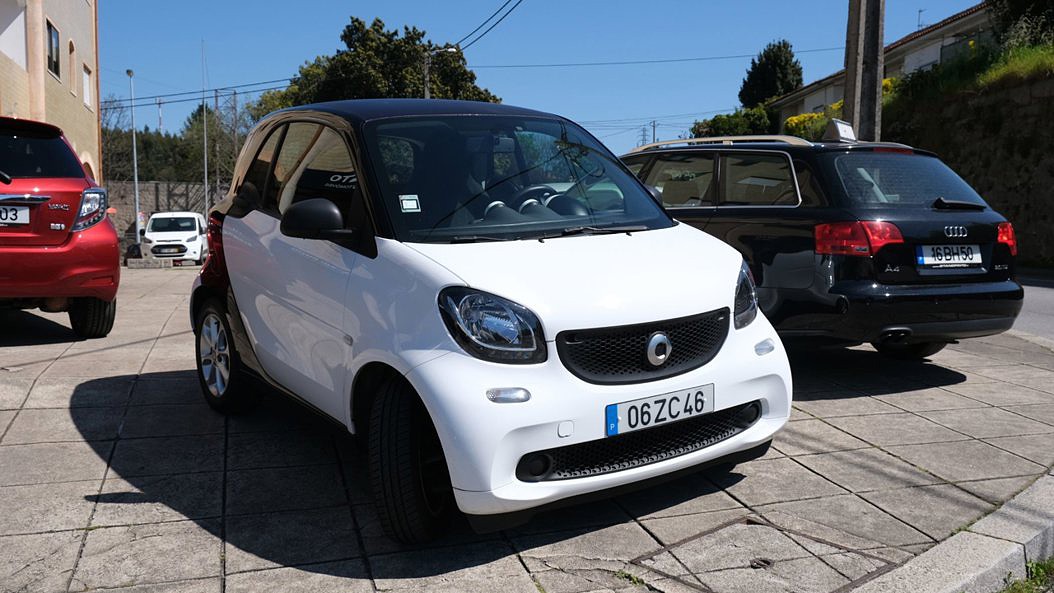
pixel 593 230
pixel 945 204
pixel 5 178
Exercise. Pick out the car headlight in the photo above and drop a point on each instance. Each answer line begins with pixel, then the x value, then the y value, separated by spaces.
pixel 746 306
pixel 492 328
pixel 193 239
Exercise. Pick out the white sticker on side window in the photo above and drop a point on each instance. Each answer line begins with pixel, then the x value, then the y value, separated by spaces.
pixel 409 203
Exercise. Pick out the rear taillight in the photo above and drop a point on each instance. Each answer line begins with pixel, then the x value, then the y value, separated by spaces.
pixel 862 238
pixel 214 235
pixel 92 209
pixel 1007 237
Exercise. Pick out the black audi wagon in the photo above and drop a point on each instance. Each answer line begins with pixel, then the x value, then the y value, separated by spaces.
pixel 849 242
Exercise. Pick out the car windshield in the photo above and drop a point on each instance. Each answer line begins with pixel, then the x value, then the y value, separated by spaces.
pixel 879 179
pixel 448 179
pixel 24 153
pixel 172 225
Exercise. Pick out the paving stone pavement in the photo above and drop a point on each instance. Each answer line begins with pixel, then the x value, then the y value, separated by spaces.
pixel 114 475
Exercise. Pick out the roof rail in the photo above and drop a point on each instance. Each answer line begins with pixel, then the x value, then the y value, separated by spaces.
pixel 792 140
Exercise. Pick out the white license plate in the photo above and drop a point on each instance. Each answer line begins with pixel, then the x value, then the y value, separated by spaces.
pixel 658 409
pixel 14 214
pixel 948 256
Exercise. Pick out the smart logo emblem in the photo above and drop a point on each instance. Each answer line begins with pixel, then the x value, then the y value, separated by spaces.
pixel 659 349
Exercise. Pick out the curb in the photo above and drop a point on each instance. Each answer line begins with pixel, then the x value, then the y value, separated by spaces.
pixel 985 557
pixel 990 553
pixel 1037 340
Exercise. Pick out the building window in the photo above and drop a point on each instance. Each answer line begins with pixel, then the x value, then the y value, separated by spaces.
pixel 86 92
pixel 53 49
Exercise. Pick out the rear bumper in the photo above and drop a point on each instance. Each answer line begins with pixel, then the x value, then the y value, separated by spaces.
pixel 86 265
pixel 865 312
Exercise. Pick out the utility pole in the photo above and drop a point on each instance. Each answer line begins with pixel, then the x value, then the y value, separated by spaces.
pixel 215 143
pixel 205 128
pixel 864 68
pixel 234 128
pixel 428 65
pixel 159 127
pixel 653 124
pixel 643 135
pixel 135 154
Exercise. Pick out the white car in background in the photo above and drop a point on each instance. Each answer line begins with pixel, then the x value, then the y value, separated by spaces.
pixel 176 235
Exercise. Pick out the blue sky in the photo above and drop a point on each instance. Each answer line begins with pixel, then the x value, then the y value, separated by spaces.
pixel 249 41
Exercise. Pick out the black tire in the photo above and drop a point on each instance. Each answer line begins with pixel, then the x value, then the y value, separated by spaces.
pixel 234 394
pixel 91 317
pixel 408 473
pixel 917 351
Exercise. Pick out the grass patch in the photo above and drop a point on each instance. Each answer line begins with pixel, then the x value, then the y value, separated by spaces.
pixel 1019 64
pixel 1040 578
pixel 632 578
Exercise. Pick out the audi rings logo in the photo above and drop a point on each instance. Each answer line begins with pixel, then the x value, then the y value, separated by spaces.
pixel 955 232
pixel 659 349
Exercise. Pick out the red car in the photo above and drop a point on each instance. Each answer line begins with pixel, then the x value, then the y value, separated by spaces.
pixel 58 249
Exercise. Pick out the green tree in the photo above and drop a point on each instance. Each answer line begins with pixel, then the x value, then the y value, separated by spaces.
pixel 1023 21
pixel 377 62
pixel 773 73
pixel 742 122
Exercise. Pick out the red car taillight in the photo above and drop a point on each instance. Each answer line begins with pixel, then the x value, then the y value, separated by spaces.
pixel 92 208
pixel 861 238
pixel 214 235
pixel 1007 237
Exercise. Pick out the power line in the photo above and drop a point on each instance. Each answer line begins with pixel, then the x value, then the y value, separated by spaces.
pixel 197 99
pixel 496 23
pixel 636 62
pixel 198 91
pixel 500 8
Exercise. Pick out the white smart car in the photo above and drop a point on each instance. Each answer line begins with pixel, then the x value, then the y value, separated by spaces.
pixel 490 298
pixel 177 236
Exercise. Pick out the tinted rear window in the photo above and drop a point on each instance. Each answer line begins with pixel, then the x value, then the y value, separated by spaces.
pixel 28 154
pixel 880 179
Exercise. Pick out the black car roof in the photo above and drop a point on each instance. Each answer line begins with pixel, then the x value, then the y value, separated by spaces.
pixel 357 111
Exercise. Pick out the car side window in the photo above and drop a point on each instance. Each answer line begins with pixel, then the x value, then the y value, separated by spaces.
pixel 299 138
pixel 811 191
pixel 757 179
pixel 685 180
pixel 326 171
pixel 635 166
pixel 255 181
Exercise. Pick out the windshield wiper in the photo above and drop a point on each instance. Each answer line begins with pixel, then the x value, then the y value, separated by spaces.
pixel 5 178
pixel 474 238
pixel 942 203
pixel 593 230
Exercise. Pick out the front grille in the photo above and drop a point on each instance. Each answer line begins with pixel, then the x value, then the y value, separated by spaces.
pixel 634 449
pixel 616 355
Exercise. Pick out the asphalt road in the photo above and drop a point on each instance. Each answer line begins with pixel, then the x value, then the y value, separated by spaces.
pixel 1037 316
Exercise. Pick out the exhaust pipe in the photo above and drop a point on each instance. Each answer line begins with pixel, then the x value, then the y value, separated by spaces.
pixel 895 335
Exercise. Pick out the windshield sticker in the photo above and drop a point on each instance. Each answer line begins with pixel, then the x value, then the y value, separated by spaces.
pixel 409 203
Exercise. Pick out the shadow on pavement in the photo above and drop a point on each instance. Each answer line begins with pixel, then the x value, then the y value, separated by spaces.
pixel 843 372
pixel 23 328
pixel 285 487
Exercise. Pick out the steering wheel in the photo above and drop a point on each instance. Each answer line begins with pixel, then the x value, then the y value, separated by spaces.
pixel 538 192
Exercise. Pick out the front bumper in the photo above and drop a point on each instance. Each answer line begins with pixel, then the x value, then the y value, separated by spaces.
pixel 86 265
pixel 183 251
pixel 862 311
pixel 483 441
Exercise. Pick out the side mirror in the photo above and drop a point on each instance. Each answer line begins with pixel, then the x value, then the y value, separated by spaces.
pixel 316 218
pixel 142 233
